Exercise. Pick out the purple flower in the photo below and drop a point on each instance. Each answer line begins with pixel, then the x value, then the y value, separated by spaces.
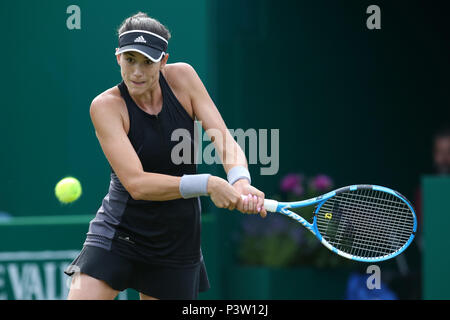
pixel 298 190
pixel 291 183
pixel 321 183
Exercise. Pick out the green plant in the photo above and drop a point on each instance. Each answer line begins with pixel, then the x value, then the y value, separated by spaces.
pixel 278 241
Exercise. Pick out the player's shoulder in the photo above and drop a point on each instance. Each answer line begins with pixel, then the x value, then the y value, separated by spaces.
pixel 108 101
pixel 179 68
pixel 179 73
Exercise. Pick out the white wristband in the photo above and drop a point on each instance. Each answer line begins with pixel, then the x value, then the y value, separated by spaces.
pixel 194 185
pixel 238 172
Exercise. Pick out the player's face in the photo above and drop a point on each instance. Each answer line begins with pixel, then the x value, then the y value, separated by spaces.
pixel 138 72
pixel 442 155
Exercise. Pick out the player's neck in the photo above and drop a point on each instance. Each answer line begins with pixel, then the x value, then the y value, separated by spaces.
pixel 150 100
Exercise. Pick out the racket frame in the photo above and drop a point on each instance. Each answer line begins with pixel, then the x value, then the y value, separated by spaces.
pixel 283 208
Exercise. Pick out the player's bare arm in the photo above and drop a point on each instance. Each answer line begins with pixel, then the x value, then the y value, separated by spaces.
pixel 229 151
pixel 109 127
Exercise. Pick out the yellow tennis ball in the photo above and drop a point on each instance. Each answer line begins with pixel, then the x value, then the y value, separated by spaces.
pixel 68 190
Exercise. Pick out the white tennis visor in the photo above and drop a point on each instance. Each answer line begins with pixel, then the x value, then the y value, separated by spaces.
pixel 149 44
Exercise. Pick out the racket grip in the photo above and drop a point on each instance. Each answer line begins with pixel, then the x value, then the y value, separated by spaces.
pixel 269 205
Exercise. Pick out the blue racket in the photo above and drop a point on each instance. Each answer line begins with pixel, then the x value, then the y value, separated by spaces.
pixel 365 223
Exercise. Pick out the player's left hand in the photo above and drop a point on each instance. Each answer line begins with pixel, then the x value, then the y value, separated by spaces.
pixel 253 202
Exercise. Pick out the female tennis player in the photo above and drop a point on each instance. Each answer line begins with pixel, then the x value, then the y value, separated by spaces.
pixel 146 234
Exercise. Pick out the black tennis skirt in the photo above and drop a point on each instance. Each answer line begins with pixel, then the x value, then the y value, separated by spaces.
pixel 160 282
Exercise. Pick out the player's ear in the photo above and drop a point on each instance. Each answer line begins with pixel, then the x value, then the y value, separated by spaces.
pixel 118 57
pixel 164 61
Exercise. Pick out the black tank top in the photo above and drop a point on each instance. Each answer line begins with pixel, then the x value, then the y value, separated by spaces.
pixel 165 232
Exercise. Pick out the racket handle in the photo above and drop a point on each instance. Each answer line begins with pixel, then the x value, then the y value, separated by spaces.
pixel 269 205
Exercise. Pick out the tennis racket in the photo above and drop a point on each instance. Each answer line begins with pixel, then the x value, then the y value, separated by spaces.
pixel 365 223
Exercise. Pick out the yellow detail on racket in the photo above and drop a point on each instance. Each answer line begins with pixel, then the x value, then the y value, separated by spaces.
pixel 328 216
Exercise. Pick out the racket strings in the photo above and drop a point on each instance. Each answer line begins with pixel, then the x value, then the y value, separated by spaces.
pixel 381 219
pixel 347 243
pixel 365 222
pixel 379 244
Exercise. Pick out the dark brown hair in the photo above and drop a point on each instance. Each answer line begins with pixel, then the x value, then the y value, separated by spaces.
pixel 141 21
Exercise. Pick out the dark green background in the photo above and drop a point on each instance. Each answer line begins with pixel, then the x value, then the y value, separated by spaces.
pixel 50 76
pixel 436 261
pixel 356 104
pixel 359 105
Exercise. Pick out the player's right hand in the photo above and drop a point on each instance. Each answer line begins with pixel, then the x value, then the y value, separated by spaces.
pixel 222 194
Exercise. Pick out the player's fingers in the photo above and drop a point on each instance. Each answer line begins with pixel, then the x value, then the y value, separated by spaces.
pixel 251 204
pixel 229 204
pixel 260 204
pixel 233 200
pixel 260 194
pixel 255 204
pixel 256 192
pixel 263 213
pixel 251 201
pixel 239 204
pixel 245 204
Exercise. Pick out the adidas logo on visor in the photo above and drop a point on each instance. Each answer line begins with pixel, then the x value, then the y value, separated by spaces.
pixel 140 39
